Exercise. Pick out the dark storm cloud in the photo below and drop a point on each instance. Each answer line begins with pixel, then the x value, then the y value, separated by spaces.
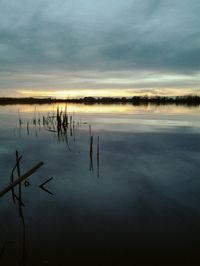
pixel 106 35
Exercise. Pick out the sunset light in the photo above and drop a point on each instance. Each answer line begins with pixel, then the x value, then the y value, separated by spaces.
pixel 99 132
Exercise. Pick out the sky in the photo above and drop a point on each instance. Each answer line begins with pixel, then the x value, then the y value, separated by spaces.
pixel 75 48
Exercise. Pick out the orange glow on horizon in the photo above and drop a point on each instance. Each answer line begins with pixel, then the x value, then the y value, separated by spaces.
pixel 74 93
pixel 105 93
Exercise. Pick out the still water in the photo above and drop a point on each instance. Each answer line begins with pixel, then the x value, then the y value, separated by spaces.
pixel 129 196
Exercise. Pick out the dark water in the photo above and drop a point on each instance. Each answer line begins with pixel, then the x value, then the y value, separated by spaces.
pixel 142 208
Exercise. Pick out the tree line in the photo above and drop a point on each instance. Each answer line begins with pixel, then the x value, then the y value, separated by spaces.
pixel 184 100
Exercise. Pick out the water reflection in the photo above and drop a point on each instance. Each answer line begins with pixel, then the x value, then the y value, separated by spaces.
pixel 16 184
pixel 144 203
pixel 101 108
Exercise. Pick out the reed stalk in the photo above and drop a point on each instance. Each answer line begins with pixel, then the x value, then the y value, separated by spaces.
pixel 98 174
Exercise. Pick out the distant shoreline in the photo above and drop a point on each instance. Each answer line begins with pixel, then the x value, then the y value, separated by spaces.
pixel 135 100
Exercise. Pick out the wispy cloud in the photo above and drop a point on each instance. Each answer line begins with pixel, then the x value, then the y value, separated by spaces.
pixel 108 44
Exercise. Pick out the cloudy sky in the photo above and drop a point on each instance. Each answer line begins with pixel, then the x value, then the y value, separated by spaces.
pixel 92 47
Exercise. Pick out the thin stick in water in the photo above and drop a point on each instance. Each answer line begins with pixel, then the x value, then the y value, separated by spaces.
pixel 98 174
pixel 91 153
pixel 20 188
pixel 12 178
pixel 27 127
pixel 22 178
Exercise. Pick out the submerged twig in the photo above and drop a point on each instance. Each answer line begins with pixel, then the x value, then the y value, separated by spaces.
pixel 19 174
pixel 12 177
pixel 43 188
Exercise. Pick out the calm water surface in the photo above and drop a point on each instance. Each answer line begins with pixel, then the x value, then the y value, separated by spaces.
pixel 139 204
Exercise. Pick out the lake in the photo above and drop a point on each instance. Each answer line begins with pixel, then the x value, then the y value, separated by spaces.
pixel 122 185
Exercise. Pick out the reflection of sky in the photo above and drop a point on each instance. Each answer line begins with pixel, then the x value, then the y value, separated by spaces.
pixel 103 108
pixel 120 117
pixel 148 189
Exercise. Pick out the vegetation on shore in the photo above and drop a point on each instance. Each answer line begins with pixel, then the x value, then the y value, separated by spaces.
pixel 179 100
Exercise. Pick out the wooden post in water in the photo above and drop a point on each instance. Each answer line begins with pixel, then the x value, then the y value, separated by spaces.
pixel 91 153
pixel 98 175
